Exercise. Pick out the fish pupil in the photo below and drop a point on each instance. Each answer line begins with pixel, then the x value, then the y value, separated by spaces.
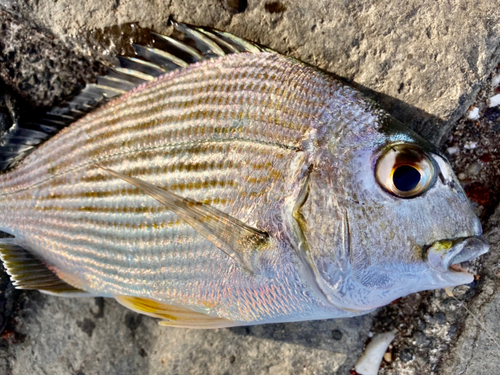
pixel 406 178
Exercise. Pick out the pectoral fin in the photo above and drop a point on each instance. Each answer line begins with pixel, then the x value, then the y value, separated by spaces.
pixel 173 316
pixel 238 240
pixel 28 272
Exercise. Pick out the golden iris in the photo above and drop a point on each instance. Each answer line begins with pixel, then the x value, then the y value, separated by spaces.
pixel 405 171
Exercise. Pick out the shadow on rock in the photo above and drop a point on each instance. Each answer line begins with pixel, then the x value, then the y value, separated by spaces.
pixel 427 125
pixel 320 334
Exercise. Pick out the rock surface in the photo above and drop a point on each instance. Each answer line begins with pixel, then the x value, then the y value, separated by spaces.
pixel 428 59
pixel 425 61
pixel 477 352
pixel 96 336
pixel 38 66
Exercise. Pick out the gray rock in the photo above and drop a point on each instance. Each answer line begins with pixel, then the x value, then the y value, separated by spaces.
pixel 425 59
pixel 38 66
pixel 477 352
pixel 95 336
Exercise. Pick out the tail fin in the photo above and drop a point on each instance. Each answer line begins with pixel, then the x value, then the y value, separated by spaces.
pixel 28 272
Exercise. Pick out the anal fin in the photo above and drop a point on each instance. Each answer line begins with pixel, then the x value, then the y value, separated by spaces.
pixel 173 316
pixel 28 272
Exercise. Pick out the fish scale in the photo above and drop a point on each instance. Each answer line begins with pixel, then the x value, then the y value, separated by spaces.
pixel 239 189
pixel 85 225
pixel 101 124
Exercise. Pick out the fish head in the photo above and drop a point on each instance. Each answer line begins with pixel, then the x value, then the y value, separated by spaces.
pixel 400 220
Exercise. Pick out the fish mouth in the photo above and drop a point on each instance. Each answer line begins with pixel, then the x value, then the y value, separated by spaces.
pixel 454 257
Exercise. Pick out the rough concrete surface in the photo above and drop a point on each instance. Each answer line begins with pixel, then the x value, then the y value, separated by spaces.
pixel 42 71
pixel 429 57
pixel 96 336
pixel 477 351
pixel 427 62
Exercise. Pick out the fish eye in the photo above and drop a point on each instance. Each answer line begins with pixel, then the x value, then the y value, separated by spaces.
pixel 404 171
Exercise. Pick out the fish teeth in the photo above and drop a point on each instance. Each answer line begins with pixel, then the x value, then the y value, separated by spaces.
pixel 471 267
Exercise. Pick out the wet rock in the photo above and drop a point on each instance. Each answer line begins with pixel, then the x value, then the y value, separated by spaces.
pixel 235 6
pixel 406 355
pixel 337 334
pixel 440 318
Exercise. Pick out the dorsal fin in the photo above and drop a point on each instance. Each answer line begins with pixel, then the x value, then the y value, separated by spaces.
pixel 187 45
pixel 28 272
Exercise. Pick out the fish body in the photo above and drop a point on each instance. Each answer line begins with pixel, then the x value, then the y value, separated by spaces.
pixel 156 197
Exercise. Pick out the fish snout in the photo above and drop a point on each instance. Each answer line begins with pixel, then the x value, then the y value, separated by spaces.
pixel 447 255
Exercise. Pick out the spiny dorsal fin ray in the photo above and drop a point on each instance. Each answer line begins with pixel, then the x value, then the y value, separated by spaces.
pixel 228 48
pixel 173 316
pixel 185 46
pixel 147 68
pixel 242 44
pixel 238 240
pixel 178 48
pixel 28 272
pixel 206 45
pixel 160 57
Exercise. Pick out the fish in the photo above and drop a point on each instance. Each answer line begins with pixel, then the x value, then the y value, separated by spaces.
pixel 212 182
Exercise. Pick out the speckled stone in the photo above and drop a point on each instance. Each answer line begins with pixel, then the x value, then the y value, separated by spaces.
pixel 477 350
pixel 37 66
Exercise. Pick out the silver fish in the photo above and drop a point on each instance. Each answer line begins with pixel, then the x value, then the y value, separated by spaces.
pixel 234 186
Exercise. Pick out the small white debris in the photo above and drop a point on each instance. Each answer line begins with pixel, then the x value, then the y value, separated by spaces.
pixel 388 357
pixel 470 145
pixel 474 113
pixel 495 100
pixel 370 360
pixel 474 168
pixel 462 176
pixel 495 81
pixel 452 150
pixel 449 291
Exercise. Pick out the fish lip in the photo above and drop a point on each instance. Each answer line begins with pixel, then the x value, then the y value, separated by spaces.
pixel 442 254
